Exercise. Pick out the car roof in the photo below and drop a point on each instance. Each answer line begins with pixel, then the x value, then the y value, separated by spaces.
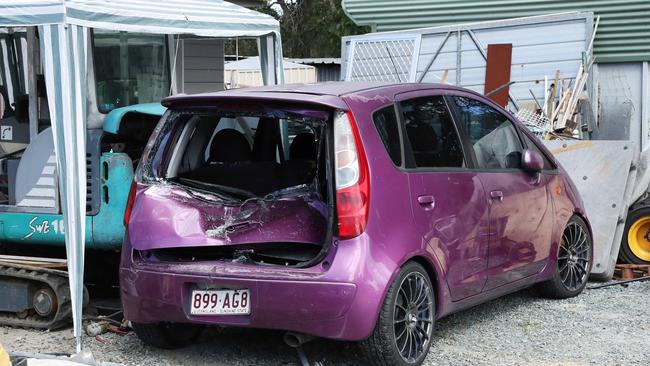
pixel 334 88
pixel 327 93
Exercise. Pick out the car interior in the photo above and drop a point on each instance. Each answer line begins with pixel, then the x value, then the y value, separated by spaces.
pixel 240 157
pixel 255 155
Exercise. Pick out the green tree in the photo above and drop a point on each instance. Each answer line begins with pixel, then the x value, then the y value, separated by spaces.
pixel 312 28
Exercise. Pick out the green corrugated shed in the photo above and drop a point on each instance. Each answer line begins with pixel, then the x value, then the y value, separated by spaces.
pixel 623 34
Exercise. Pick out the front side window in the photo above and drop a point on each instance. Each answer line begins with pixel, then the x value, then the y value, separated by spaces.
pixel 494 138
pixel 130 68
pixel 431 133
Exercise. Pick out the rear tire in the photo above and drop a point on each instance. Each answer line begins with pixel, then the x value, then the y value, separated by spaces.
pixel 635 244
pixel 573 263
pixel 167 335
pixel 402 335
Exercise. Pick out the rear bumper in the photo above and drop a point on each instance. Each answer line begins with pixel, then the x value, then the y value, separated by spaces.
pixel 311 307
pixel 334 303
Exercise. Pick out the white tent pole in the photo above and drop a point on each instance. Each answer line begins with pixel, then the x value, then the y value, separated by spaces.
pixel 172 84
pixel 65 57
pixel 262 50
pixel 279 58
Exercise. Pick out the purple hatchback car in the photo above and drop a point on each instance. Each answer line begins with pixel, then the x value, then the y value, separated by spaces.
pixel 350 211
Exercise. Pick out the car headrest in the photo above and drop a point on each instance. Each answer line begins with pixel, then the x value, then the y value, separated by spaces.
pixel 267 136
pixel 230 145
pixel 303 147
pixel 422 136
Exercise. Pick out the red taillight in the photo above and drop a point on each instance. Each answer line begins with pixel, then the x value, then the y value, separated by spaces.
pixel 129 204
pixel 352 177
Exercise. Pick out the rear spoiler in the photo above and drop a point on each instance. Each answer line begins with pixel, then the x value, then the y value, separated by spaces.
pixel 277 98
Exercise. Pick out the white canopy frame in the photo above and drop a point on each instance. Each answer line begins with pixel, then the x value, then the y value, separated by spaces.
pixel 63 27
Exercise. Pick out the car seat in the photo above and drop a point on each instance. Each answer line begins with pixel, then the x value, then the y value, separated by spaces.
pixel 230 146
pixel 301 167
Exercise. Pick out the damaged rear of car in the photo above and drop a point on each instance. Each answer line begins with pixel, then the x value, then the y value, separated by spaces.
pixel 234 218
pixel 236 183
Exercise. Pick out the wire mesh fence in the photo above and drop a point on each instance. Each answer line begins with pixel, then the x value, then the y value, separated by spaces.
pixel 538 124
pixel 383 60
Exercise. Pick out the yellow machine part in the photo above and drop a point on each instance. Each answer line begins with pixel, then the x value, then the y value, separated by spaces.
pixel 638 238
pixel 4 357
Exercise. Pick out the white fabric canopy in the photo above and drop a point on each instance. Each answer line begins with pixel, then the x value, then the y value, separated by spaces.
pixel 209 18
pixel 63 28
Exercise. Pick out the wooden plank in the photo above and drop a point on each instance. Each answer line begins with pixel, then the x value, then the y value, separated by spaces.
pixel 497 73
pixel 34 261
pixel 554 92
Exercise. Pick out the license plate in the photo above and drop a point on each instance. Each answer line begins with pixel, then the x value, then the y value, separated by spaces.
pixel 220 302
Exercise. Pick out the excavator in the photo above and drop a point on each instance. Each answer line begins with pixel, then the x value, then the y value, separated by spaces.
pixel 121 118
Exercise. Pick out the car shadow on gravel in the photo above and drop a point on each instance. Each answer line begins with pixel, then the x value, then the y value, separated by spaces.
pixel 499 307
pixel 233 346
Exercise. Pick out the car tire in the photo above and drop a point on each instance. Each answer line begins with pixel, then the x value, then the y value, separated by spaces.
pixel 635 244
pixel 573 264
pixel 167 335
pixel 387 345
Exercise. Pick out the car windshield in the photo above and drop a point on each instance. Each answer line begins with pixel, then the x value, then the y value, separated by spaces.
pixel 238 155
pixel 130 68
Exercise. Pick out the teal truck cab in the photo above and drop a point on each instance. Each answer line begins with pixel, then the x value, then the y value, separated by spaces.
pixel 125 69
pixel 128 74
pixel 30 213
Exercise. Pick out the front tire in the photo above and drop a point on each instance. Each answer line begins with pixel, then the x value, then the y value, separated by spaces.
pixel 167 335
pixel 573 263
pixel 402 335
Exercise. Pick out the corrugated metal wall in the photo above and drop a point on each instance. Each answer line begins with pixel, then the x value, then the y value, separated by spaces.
pixel 199 65
pixel 328 72
pixel 541 45
pixel 624 33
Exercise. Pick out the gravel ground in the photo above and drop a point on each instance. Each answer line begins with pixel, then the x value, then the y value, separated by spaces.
pixel 609 326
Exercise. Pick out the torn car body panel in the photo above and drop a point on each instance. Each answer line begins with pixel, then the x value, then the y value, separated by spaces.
pixel 168 216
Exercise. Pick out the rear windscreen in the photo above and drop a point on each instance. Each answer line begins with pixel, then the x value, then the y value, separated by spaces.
pixel 236 151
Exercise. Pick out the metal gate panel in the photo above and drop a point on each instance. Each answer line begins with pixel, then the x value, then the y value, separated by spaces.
pixel 384 59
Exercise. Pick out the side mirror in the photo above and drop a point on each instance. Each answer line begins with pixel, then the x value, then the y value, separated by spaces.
pixel 532 161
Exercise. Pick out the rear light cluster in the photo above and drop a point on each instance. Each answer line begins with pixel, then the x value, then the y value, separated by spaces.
pixel 129 204
pixel 352 177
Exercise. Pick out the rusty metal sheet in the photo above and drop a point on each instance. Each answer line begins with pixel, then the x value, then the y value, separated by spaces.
pixel 497 73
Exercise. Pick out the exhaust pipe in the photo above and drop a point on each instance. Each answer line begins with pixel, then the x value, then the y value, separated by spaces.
pixel 296 340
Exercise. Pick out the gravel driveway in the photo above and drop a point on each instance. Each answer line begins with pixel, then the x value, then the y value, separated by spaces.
pixel 609 326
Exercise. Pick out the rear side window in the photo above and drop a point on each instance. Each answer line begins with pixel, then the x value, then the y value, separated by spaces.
pixel 431 134
pixel 386 123
pixel 494 138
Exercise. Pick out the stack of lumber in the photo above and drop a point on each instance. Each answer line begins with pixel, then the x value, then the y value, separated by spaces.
pixel 558 115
